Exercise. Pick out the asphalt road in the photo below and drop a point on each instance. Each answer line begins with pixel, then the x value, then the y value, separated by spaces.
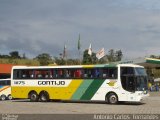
pixel 150 106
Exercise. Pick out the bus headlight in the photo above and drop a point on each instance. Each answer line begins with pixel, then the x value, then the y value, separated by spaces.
pixel 145 92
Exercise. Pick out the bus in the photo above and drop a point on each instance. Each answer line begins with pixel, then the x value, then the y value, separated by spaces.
pixel 109 82
pixel 5 89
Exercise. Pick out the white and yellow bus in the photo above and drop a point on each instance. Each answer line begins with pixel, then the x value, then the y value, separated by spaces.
pixel 110 83
pixel 5 89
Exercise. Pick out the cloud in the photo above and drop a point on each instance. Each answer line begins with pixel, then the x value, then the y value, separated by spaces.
pixel 39 26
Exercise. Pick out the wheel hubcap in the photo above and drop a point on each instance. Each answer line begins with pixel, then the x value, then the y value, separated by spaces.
pixel 43 98
pixel 113 99
pixel 10 97
pixel 3 98
pixel 33 96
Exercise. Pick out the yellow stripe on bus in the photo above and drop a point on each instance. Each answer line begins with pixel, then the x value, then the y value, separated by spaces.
pixel 66 92
pixel 54 92
pixel 88 66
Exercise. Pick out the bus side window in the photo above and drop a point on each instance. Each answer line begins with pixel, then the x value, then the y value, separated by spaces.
pixel 37 73
pixel 90 73
pixel 51 73
pixel 5 83
pixel 55 73
pixel 46 74
pixel 31 74
pixel 105 73
pixel 77 73
pixel 96 73
pixel 8 82
pixel 27 74
pixel 1 83
pixel 85 74
pixel 60 73
pixel 23 74
pixel 72 73
pixel 17 74
pixel 39 76
pixel 67 73
pixel 113 73
pixel 43 73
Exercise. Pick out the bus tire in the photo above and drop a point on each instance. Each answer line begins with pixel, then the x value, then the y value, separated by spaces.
pixel 3 97
pixel 44 96
pixel 33 96
pixel 112 98
pixel 9 97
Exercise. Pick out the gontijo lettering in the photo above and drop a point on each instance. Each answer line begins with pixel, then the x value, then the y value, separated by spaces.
pixel 51 82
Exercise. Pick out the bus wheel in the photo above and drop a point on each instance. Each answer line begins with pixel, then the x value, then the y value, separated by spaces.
pixel 9 97
pixel 112 98
pixel 33 96
pixel 3 97
pixel 44 97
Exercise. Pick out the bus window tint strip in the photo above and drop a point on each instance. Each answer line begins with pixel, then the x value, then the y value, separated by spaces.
pixel 66 73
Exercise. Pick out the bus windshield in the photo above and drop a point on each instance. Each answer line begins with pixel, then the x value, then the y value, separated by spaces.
pixel 133 78
pixel 140 79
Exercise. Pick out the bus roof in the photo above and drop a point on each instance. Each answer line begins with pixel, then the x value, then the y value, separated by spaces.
pixel 129 65
pixel 75 66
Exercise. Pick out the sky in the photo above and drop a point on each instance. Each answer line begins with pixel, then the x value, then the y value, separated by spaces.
pixel 45 26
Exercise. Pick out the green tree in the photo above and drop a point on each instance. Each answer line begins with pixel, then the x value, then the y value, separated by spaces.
pixel 14 54
pixel 59 61
pixel 154 56
pixel 118 55
pixel 72 62
pixel 4 56
pixel 89 59
pixel 114 56
pixel 103 60
pixel 44 59
pixel 111 55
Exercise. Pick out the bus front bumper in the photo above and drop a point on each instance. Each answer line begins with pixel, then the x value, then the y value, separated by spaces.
pixel 144 97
